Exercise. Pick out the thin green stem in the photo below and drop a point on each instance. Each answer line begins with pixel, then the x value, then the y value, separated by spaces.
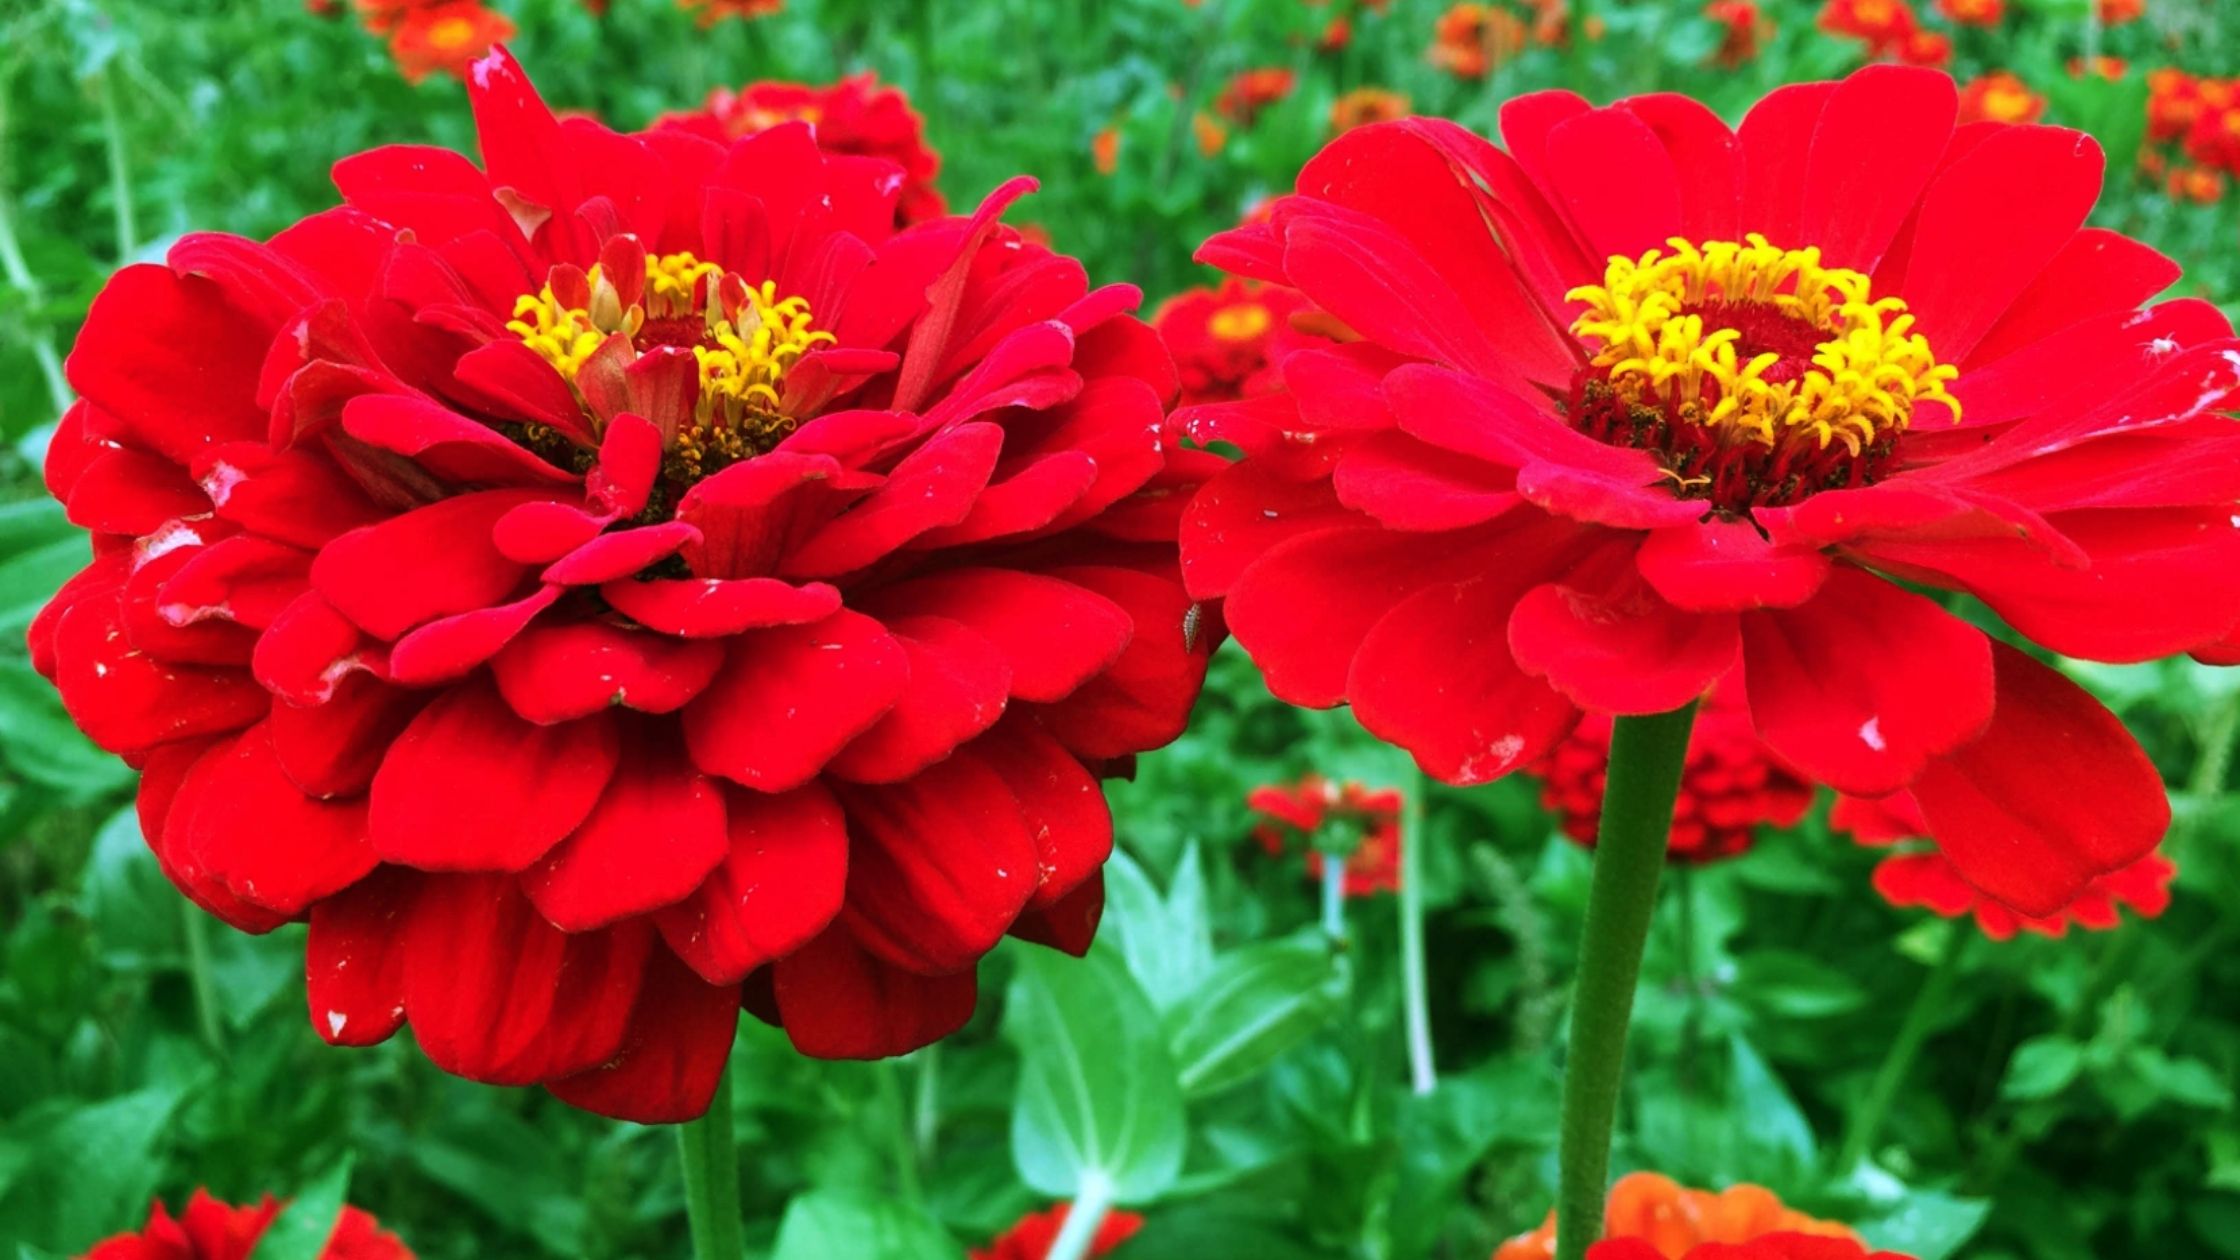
pixel 1334 900
pixel 197 935
pixel 120 171
pixel 897 1120
pixel 926 1119
pixel 1092 1201
pixel 710 1159
pixel 19 275
pixel 1897 1063
pixel 1646 756
pixel 1423 1072
pixel 1691 1023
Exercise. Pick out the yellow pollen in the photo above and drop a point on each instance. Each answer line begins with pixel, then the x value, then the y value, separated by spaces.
pixel 1241 322
pixel 744 338
pixel 1658 322
pixel 451 32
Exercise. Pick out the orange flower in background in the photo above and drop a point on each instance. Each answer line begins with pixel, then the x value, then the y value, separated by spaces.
pixel 1973 12
pixel 2117 12
pixel 713 11
pixel 1228 342
pixel 1672 1219
pixel 2106 67
pixel 1212 137
pixel 2175 100
pixel 2188 182
pixel 211 1230
pixel 1252 91
pixel 1033 1236
pixel 2000 96
pixel 1926 48
pixel 445 37
pixel 1366 105
pixel 1105 150
pixel 1746 29
pixel 1883 24
pixel 1927 879
pixel 1470 39
pixel 1317 804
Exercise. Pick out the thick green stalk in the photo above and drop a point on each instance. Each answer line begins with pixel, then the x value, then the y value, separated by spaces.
pixel 710 1157
pixel 1897 1063
pixel 1423 1073
pixel 1646 756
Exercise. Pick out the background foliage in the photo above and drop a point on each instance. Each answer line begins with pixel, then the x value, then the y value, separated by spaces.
pixel 1218 1061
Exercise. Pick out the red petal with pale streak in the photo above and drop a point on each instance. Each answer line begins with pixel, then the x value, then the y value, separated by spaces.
pixel 1143 701
pixel 1853 209
pixel 353 959
pixel 1436 677
pixel 469 786
pixel 2099 272
pixel 840 1001
pixel 752 513
pixel 1706 158
pixel 1055 634
pixel 1726 566
pixel 274 847
pixel 933 486
pixel 1627 218
pixel 333 749
pixel 1865 684
pixel 1409 484
pixel 202 636
pixel 449 648
pixel 717 608
pixel 125 700
pixel 309 649
pixel 958 687
pixel 296 496
pixel 2054 793
pixel 496 994
pixel 1776 135
pixel 1062 803
pixel 123 491
pixel 1069 924
pixel 939 866
pixel 428 563
pixel 243 580
pixel 163 773
pixel 169 358
pixel 780 883
pixel 1242 514
pixel 672 1055
pixel 654 835
pixel 555 673
pixel 790 698
pixel 1618 648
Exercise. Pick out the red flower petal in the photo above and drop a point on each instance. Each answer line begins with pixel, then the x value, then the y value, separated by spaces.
pixel 959 685
pixel 940 865
pixel 428 563
pixel 779 884
pixel 125 700
pixel 654 835
pixel 354 960
pixel 790 698
pixel 673 1053
pixel 1055 634
pixel 1618 647
pixel 246 823
pixel 556 673
pixel 333 749
pixel 840 1001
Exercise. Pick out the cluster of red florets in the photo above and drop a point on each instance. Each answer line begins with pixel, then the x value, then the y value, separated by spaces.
pixel 2193 133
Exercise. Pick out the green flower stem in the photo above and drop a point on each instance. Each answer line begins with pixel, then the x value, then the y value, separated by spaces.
pixel 197 935
pixel 710 1156
pixel 1423 1072
pixel 19 277
pixel 1092 1201
pixel 1646 756
pixel 1334 899
pixel 901 1124
pixel 120 172
pixel 1897 1064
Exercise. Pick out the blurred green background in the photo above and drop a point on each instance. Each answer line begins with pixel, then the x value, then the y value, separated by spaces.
pixel 2076 1098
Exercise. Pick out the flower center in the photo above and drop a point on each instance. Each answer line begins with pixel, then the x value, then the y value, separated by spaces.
pixel 743 338
pixel 1243 321
pixel 1756 375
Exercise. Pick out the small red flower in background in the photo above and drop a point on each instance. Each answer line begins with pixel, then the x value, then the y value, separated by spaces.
pixel 1033 1236
pixel 1251 91
pixel 1228 341
pixel 624 582
pixel 1365 105
pixel 446 38
pixel 1928 879
pixel 1973 12
pixel 1653 1217
pixel 1883 24
pixel 1491 512
pixel 2198 184
pixel 1470 39
pixel 210 1230
pixel 854 116
pixel 1925 48
pixel 711 12
pixel 1747 28
pixel 2102 66
pixel 1104 150
pixel 1314 804
pixel 2000 96
pixel 2118 12
pixel 1729 786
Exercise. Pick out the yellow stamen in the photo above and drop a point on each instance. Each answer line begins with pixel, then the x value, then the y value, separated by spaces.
pixel 1240 322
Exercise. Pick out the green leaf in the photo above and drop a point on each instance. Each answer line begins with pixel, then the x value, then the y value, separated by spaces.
pixel 90 1167
pixel 1166 941
pixel 1098 1094
pixel 2042 1067
pixel 40 741
pixel 303 1227
pixel 824 1223
pixel 1769 1122
pixel 1928 1225
pixel 1796 987
pixel 1259 1002
pixel 2188 1082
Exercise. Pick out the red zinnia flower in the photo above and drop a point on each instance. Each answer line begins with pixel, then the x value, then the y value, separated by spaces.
pixel 1883 24
pixel 1746 28
pixel 1315 803
pixel 1365 105
pixel 1764 1247
pixel 1928 879
pixel 2196 183
pixel 1228 342
pixel 1656 1218
pixel 1973 12
pixel 1104 150
pixel 714 11
pixel 447 37
pixel 1605 439
pixel 1729 785
pixel 2118 12
pixel 1032 1237
pixel 1470 39
pixel 855 115
pixel 2000 96
pixel 1925 48
pixel 210 1230
pixel 620 583
pixel 1251 91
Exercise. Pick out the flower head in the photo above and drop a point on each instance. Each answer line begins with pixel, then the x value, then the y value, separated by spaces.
pixel 1470 39
pixel 1763 1247
pixel 1745 28
pixel 1229 342
pixel 855 116
pixel 1883 24
pixel 1337 814
pixel 1918 875
pixel 1653 1217
pixel 1729 784
pixel 1033 1235
pixel 622 582
pixel 1365 105
pixel 1251 91
pixel 1973 12
pixel 2118 12
pixel 2000 96
pixel 711 12
pixel 1641 403
pixel 445 36
pixel 210 1230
